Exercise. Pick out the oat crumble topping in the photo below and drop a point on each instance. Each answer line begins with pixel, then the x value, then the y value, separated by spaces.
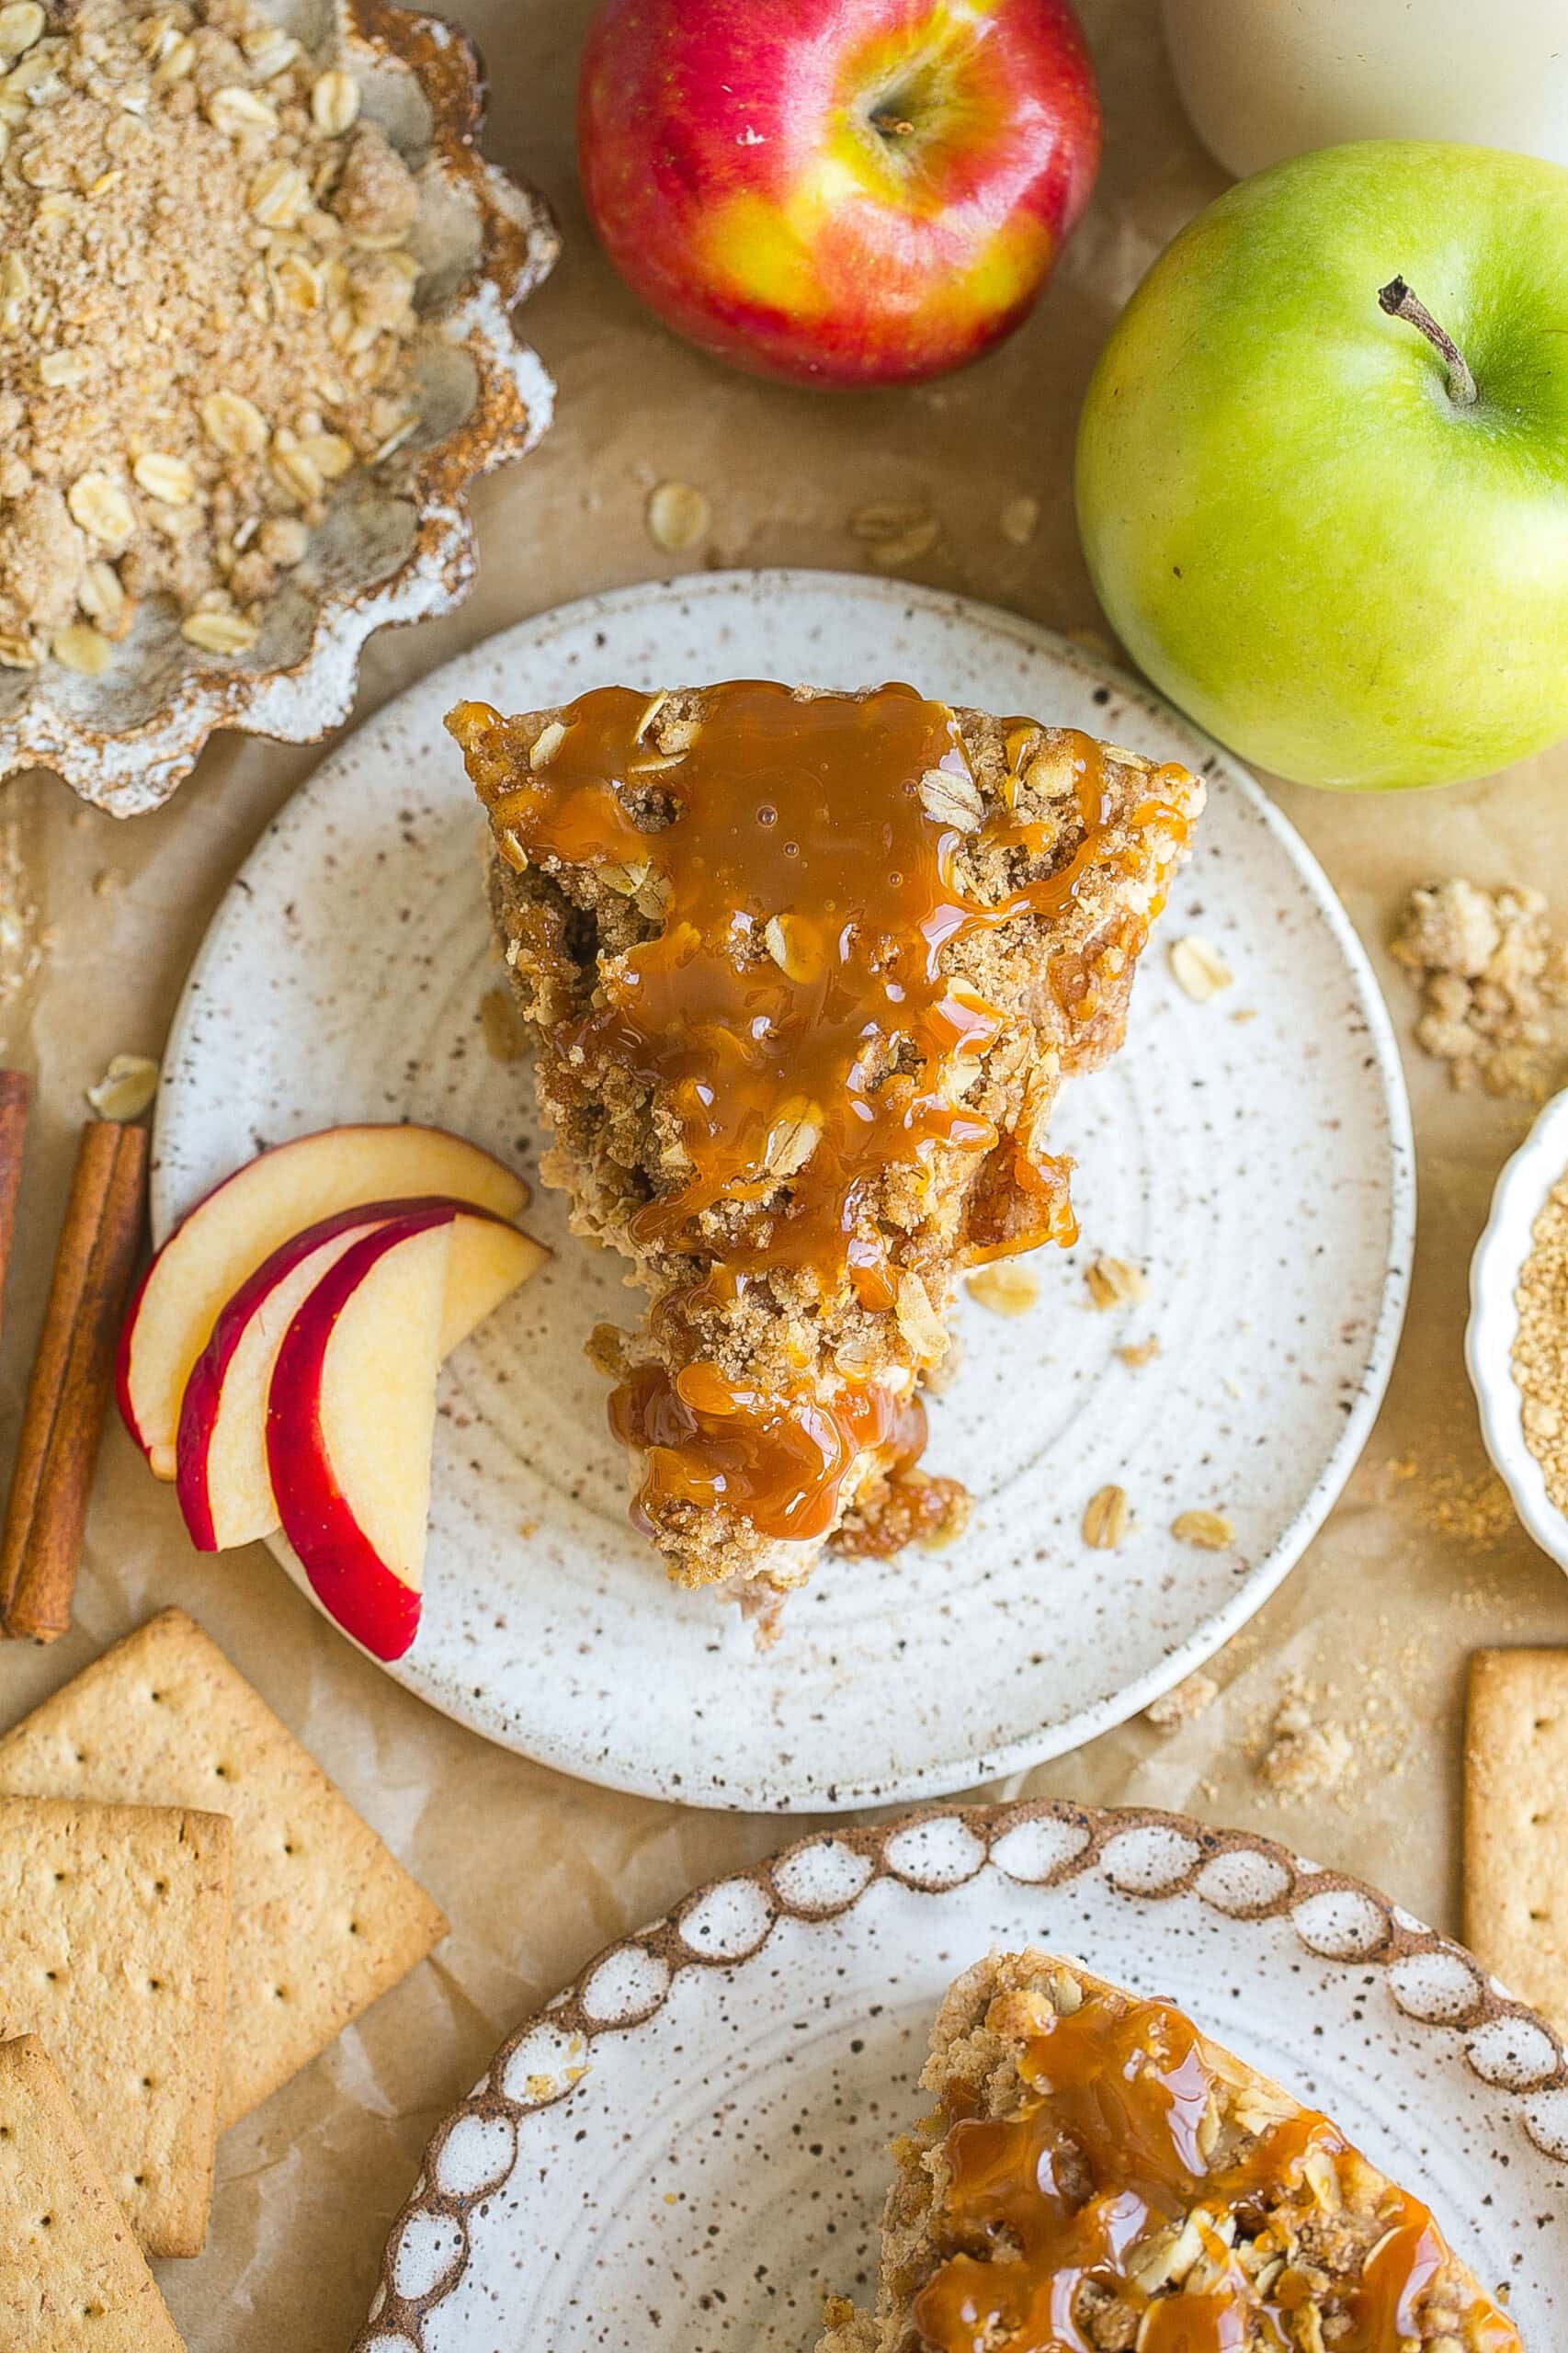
pixel 206 308
pixel 1093 2171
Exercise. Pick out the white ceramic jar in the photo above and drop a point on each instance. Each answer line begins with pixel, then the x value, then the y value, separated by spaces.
pixel 1263 79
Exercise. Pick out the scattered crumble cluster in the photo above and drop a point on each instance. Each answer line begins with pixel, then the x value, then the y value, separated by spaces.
pixel 1491 972
pixel 1193 1696
pixel 1540 1347
pixel 1305 1755
pixel 206 308
pixel 1474 1508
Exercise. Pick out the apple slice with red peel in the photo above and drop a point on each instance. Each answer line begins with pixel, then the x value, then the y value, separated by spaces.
pixel 350 1419
pixel 250 1215
pixel 221 1479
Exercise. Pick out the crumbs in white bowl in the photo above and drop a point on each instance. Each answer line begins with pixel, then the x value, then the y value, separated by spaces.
pixel 1539 1357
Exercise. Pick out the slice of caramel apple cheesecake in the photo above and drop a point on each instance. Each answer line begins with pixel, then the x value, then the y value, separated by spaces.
pixel 1098 2177
pixel 806 971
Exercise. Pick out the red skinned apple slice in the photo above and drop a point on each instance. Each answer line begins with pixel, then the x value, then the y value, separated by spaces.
pixel 250 1215
pixel 349 1423
pixel 221 1479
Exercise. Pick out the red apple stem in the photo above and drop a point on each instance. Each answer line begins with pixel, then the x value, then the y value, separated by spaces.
pixel 1397 300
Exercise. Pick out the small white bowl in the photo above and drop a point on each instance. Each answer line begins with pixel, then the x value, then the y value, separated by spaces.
pixel 1500 1254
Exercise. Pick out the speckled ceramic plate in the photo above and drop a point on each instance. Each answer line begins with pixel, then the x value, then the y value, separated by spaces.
pixel 1251 1154
pixel 688 2147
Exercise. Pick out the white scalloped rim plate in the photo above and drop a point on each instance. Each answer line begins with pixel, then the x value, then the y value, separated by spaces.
pixel 688 2148
pixel 1258 1167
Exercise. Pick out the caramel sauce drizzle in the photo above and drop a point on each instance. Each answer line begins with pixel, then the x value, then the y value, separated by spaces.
pixel 793 1014
pixel 1108 2152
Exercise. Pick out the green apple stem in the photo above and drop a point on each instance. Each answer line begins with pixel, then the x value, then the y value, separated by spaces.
pixel 1397 300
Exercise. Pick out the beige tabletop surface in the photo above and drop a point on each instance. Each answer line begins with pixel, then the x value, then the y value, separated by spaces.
pixel 1422 1560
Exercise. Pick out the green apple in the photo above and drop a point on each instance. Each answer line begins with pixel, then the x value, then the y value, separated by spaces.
pixel 1334 527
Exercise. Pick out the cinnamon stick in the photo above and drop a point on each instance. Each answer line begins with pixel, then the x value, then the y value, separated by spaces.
pixel 16 1095
pixel 68 1397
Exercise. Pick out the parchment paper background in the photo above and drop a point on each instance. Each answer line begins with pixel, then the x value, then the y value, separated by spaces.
pixel 1421 1562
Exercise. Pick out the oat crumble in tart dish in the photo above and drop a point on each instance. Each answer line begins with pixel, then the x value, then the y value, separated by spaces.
pixel 806 972
pixel 1098 2177
pixel 256 344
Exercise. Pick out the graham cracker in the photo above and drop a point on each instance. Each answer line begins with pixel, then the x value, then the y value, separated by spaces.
pixel 324 1919
pixel 1516 1824
pixel 114 1933
pixel 71 2277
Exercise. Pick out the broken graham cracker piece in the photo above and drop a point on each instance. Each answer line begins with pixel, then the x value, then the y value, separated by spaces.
pixel 71 2277
pixel 1516 1824
pixel 1094 2171
pixel 325 1919
pixel 114 1934
pixel 807 972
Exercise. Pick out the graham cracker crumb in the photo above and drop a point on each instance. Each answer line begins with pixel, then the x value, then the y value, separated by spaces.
pixel 1139 1353
pixel 1473 1508
pixel 1540 1347
pixel 1491 971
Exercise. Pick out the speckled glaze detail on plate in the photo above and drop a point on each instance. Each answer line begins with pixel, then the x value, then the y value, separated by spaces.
pixel 397 545
pixel 1258 1169
pixel 1495 1269
pixel 688 2147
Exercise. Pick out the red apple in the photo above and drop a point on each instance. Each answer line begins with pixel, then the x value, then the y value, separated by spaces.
pixel 837 192
pixel 221 1477
pixel 350 1419
pixel 242 1221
